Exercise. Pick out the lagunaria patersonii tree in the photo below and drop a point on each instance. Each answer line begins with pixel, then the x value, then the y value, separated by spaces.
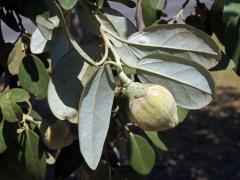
pixel 117 84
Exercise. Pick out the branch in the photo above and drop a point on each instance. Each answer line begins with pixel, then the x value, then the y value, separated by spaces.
pixel 138 14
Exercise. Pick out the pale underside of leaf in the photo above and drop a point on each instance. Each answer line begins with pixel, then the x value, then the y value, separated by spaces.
pixel 191 84
pixel 180 40
pixel 94 116
pixel 38 42
pixel 65 86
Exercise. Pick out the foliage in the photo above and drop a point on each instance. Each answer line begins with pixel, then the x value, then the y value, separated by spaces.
pixel 75 69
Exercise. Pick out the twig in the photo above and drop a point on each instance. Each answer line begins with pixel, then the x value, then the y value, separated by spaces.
pixel 138 14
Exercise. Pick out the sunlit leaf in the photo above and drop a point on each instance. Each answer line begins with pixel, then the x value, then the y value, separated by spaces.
pixel 190 83
pixel 10 110
pixel 178 40
pixel 230 10
pixel 141 155
pixel 33 76
pixel 182 113
pixel 153 136
pixel 67 4
pixel 94 115
pixel 46 26
pixel 38 42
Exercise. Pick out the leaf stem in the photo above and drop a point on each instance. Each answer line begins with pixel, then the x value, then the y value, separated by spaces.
pixel 110 46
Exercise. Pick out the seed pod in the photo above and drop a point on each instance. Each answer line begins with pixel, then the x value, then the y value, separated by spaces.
pixel 57 135
pixel 151 106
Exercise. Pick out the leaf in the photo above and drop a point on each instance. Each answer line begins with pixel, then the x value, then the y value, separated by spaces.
pixel 116 23
pixel 74 43
pixel 190 83
pixel 38 43
pixel 215 18
pixel 231 10
pixel 149 14
pixel 32 156
pixel 123 26
pixel 64 91
pixel 10 110
pixel 141 155
pixel 59 41
pixel 119 25
pixel 100 3
pixel 158 4
pixel 153 136
pixel 14 64
pixel 3 145
pixel 94 115
pixel 33 76
pixel 65 87
pixel 179 40
pixel 182 113
pixel 67 4
pixel 88 23
pixel 127 56
pixel 46 26
pixel 5 52
pixel 232 40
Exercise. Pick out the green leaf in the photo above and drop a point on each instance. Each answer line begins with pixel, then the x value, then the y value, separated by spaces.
pixel 182 113
pixel 33 76
pixel 232 40
pixel 231 10
pixel 141 155
pixel 149 14
pixel 153 136
pixel 67 4
pixel 100 3
pixel 32 156
pixel 176 39
pixel 3 145
pixel 190 83
pixel 94 115
pixel 158 4
pixel 10 110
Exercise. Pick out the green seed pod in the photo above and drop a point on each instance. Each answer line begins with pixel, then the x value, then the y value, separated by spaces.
pixel 151 106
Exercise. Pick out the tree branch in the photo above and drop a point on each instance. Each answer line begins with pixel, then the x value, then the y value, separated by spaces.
pixel 138 14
